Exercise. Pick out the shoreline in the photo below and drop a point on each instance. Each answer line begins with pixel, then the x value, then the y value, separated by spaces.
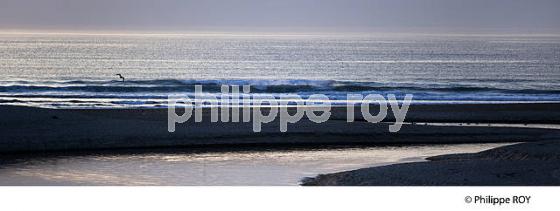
pixel 209 166
pixel 29 129
pixel 523 164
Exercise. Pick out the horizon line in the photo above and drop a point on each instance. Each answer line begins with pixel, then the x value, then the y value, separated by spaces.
pixel 110 32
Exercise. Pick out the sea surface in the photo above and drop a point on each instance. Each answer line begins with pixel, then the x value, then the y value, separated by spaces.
pixel 256 166
pixel 79 70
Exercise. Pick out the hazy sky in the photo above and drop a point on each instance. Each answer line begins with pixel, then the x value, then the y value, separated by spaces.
pixel 341 15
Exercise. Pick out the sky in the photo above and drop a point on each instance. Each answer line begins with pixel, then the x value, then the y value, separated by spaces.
pixel 329 15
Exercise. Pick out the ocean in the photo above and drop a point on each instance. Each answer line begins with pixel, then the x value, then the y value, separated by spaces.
pixel 79 70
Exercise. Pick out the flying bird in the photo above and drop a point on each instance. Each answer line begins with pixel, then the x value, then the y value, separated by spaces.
pixel 120 76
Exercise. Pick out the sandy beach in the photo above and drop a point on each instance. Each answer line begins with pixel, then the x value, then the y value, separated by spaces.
pixel 37 129
pixel 525 164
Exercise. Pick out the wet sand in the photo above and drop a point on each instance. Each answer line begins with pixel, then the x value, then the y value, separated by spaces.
pixel 209 166
pixel 525 164
pixel 26 129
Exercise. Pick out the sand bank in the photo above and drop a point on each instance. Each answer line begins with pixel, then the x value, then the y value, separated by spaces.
pixel 525 164
pixel 38 129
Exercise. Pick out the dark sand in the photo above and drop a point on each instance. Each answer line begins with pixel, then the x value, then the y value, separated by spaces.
pixel 525 164
pixel 26 129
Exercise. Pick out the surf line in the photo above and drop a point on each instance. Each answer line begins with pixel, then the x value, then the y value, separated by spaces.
pixel 236 106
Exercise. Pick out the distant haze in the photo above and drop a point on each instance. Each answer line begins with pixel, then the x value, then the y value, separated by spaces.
pixel 307 15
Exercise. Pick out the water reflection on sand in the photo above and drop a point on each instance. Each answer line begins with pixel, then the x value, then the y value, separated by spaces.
pixel 251 166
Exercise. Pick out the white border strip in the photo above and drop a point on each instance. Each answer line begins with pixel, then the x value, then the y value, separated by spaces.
pixel 269 198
